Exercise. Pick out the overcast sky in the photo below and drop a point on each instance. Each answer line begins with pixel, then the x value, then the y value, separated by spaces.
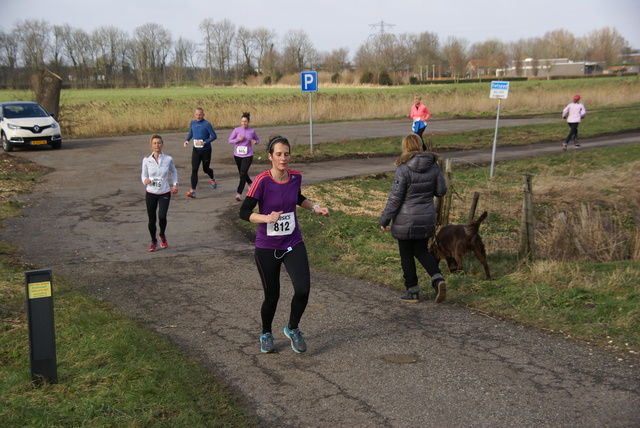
pixel 333 24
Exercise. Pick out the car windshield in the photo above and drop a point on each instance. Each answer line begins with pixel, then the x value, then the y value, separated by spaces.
pixel 16 111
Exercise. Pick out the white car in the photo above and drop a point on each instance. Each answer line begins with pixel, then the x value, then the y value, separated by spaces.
pixel 25 123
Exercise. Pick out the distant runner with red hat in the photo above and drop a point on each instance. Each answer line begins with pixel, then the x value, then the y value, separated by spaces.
pixel 573 113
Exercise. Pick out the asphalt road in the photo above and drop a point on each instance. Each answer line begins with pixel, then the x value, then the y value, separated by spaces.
pixel 372 360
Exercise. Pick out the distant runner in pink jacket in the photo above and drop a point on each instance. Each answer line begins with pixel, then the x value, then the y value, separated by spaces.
pixel 420 114
pixel 573 113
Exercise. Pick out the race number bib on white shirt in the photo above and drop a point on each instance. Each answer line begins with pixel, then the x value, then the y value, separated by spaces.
pixel 198 143
pixel 156 182
pixel 284 226
pixel 241 150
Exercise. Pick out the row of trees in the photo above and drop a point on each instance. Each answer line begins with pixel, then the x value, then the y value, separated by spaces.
pixel 150 57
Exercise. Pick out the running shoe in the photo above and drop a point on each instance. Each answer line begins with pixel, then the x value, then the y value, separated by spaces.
pixel 152 247
pixel 410 297
pixel 564 147
pixel 577 146
pixel 441 291
pixel 213 183
pixel 163 242
pixel 297 341
pixel 238 197
pixel 266 343
pixel 191 193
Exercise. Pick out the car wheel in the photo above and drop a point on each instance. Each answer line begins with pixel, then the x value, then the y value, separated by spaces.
pixel 6 144
pixel 56 145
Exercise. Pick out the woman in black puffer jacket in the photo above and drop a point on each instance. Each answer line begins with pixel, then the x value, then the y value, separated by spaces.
pixel 410 206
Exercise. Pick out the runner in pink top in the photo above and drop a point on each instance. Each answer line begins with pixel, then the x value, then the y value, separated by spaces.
pixel 420 114
pixel 573 113
pixel 244 138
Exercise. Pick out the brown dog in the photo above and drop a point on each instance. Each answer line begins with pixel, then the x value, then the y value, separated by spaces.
pixel 455 240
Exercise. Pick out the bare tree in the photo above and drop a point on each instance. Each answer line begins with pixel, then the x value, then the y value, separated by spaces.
pixel 559 44
pixel 223 34
pixel 455 52
pixel 110 45
pixel 33 35
pixel 183 58
pixel 299 53
pixel 151 47
pixel 77 50
pixel 8 57
pixel 246 44
pixel 365 58
pixel 336 61
pixel 265 44
pixel 426 52
pixel 605 45
pixel 491 55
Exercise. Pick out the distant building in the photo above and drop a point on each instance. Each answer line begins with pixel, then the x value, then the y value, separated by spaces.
pixel 532 67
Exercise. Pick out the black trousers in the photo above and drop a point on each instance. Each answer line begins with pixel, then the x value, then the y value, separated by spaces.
pixel 159 203
pixel 296 262
pixel 200 156
pixel 572 132
pixel 243 165
pixel 411 249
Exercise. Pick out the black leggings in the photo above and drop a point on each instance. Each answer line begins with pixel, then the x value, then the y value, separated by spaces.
pixel 153 202
pixel 197 156
pixel 573 132
pixel 296 262
pixel 243 165
pixel 415 248
pixel 420 132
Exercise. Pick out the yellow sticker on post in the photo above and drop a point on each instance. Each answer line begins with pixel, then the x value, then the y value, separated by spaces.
pixel 38 290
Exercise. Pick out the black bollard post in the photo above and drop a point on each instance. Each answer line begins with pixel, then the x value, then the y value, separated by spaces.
pixel 42 337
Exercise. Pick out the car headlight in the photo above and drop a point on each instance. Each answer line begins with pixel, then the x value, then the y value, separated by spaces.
pixel 54 125
pixel 12 126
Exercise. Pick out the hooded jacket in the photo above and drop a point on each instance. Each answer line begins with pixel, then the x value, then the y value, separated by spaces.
pixel 417 180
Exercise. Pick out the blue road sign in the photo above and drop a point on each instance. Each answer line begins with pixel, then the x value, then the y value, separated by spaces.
pixel 309 81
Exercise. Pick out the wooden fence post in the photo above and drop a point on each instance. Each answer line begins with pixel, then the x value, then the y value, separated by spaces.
pixel 474 205
pixel 448 175
pixel 527 231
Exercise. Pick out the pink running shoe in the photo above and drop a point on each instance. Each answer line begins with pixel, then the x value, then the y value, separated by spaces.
pixel 238 197
pixel 163 242
pixel 152 247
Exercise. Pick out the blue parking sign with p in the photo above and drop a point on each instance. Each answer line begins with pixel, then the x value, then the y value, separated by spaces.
pixel 309 81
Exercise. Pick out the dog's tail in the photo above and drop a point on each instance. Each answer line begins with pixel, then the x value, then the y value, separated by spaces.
pixel 472 228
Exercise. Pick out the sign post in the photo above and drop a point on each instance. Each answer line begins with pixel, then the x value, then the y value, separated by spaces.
pixel 499 90
pixel 309 83
pixel 42 337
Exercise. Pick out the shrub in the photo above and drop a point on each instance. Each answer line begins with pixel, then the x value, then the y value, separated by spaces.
pixel 367 77
pixel 384 79
pixel 335 78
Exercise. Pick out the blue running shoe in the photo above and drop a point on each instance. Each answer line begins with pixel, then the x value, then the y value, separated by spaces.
pixel 297 342
pixel 266 343
pixel 213 183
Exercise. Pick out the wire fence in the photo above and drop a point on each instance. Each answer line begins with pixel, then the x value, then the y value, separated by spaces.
pixel 575 217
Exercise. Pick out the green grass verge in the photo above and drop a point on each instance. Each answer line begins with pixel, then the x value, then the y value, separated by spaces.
pixel 602 123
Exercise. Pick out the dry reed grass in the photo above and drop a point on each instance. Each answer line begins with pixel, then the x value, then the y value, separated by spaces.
pixel 577 218
pixel 355 102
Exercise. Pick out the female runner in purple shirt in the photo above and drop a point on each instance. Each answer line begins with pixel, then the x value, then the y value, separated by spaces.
pixel 243 137
pixel 277 193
